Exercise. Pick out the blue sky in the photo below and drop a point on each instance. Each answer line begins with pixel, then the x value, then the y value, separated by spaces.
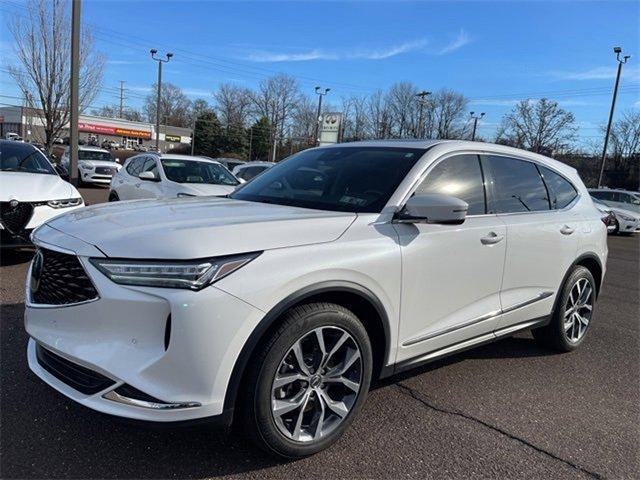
pixel 496 53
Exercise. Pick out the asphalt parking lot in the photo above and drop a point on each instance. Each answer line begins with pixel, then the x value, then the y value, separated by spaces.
pixel 507 410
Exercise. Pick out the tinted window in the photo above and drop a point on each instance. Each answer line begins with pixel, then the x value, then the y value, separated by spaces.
pixel 135 165
pixel 20 157
pixel 347 179
pixel 150 165
pixel 516 186
pixel 193 171
pixel 561 191
pixel 251 172
pixel 458 176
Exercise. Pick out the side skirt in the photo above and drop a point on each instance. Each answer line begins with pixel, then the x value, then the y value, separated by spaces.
pixel 462 346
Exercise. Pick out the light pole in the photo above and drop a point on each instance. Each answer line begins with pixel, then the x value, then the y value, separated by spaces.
pixel 621 61
pixel 320 94
pixel 475 124
pixel 160 62
pixel 422 101
pixel 74 93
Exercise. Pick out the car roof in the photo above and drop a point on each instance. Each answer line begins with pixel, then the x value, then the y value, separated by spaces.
pixel 176 156
pixel 13 142
pixel 617 190
pixel 255 164
pixel 89 148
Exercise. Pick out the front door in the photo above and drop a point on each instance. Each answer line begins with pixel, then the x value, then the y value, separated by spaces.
pixel 451 274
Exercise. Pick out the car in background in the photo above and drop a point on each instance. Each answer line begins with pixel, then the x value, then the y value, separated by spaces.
pixel 621 220
pixel 229 163
pixel 110 145
pixel 31 192
pixel 618 198
pixel 250 170
pixel 95 165
pixel 165 175
pixel 13 136
pixel 609 218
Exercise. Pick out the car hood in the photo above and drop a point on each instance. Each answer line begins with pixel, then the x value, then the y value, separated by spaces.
pixel 205 189
pixel 198 227
pixel 34 187
pixel 100 163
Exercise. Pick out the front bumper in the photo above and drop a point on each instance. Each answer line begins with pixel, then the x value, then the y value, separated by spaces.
pixel 177 346
pixel 40 215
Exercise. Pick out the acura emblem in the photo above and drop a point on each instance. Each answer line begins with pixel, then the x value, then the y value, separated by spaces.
pixel 14 203
pixel 36 271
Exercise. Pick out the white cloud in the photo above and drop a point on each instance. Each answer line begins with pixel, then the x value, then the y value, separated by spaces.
pixel 637 104
pixel 494 103
pixel 196 92
pixel 599 73
pixel 351 54
pixel 123 62
pixel 460 41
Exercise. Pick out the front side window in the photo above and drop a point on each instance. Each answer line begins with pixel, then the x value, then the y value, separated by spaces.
pixel 461 177
pixel 344 179
pixel 194 171
pixel 19 157
pixel 561 191
pixel 150 165
pixel 134 166
pixel 516 186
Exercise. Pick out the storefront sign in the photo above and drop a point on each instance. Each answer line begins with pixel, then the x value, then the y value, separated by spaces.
pixel 107 130
pixel 172 138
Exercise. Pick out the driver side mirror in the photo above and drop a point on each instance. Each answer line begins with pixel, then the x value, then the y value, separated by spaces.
pixel 433 208
pixel 148 176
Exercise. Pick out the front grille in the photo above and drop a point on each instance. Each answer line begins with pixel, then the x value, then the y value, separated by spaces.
pixel 105 170
pixel 77 377
pixel 15 218
pixel 59 279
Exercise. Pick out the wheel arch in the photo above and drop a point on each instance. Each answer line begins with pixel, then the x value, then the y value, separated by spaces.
pixel 591 262
pixel 360 300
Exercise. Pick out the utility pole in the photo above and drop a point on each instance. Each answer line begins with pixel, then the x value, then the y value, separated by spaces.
pixel 250 140
pixel 158 101
pixel 617 51
pixel 320 94
pixel 193 136
pixel 75 87
pixel 475 124
pixel 422 100
pixel 121 97
pixel 275 145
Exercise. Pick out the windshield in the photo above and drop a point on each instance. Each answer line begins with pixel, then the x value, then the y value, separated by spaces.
pixel 345 179
pixel 19 157
pixel 95 155
pixel 194 171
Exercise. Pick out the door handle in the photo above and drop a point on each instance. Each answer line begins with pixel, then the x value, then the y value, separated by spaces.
pixel 491 239
pixel 566 230
pixel 138 185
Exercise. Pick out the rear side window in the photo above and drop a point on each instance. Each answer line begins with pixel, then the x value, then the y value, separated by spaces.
pixel 461 177
pixel 561 191
pixel 516 186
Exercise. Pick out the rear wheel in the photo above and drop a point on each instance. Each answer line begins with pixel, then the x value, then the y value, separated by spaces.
pixel 616 226
pixel 113 197
pixel 572 317
pixel 312 377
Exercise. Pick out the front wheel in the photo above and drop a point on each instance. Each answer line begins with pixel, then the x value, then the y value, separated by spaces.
pixel 113 197
pixel 571 318
pixel 311 379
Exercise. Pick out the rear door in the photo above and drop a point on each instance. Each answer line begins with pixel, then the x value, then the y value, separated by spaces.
pixel 451 274
pixel 542 233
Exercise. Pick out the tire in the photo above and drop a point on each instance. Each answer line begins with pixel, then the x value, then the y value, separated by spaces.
pixel 113 197
pixel 616 230
pixel 291 435
pixel 566 336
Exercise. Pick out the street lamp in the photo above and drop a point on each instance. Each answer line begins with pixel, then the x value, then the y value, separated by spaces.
pixel 422 101
pixel 160 62
pixel 320 94
pixel 475 124
pixel 621 61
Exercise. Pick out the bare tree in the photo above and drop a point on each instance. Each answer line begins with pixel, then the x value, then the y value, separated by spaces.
pixel 42 43
pixel 175 107
pixel 624 141
pixel 355 119
pixel 233 104
pixel 446 117
pixel 540 126
pixel 113 111
pixel 403 108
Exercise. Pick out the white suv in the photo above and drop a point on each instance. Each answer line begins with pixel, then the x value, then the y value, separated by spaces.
pixel 336 266
pixel 95 165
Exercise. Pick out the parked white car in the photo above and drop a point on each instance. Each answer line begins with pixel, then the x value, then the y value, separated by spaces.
pixel 153 175
pixel 608 217
pixel 623 199
pixel 31 192
pixel 336 266
pixel 623 221
pixel 249 170
pixel 95 165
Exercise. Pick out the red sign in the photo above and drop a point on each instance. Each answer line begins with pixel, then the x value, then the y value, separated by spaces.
pixel 106 130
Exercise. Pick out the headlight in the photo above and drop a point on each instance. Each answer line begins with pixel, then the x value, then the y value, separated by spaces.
pixel 627 219
pixel 85 166
pixel 191 274
pixel 65 203
pixel 183 194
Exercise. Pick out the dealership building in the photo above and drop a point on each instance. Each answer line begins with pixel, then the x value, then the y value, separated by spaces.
pixel 95 130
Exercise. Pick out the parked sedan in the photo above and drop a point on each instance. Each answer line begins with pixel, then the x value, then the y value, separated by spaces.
pixel 249 170
pixel 623 199
pixel 95 165
pixel 623 221
pixel 155 175
pixel 31 192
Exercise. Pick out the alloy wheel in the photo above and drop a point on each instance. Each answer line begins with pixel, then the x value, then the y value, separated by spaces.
pixel 316 384
pixel 578 310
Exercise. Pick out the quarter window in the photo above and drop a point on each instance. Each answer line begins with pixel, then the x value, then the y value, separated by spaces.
pixel 561 191
pixel 461 177
pixel 516 186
